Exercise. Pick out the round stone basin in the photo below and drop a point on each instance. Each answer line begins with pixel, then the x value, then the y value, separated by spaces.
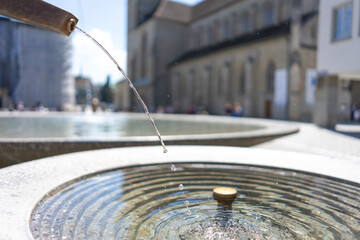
pixel 134 193
pixel 29 136
pixel 146 202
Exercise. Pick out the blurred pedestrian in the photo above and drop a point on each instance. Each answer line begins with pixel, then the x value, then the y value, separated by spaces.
pixel 353 111
pixel 228 109
pixel 20 106
pixel 94 104
pixel 238 110
pixel 12 108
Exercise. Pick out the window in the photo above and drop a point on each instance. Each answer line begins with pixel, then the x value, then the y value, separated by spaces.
pixel 245 22
pixel 227 30
pixel 270 77
pixel 242 80
pixel 234 24
pixel 201 37
pixel 217 29
pixel 342 22
pixel 268 14
pixel 219 83
pixel 196 39
pixel 210 33
pixel 133 69
pixel 182 87
pixel 144 55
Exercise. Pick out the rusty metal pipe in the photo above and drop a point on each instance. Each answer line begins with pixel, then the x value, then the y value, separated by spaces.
pixel 40 14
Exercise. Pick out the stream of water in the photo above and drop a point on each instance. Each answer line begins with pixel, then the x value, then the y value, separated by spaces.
pixel 131 86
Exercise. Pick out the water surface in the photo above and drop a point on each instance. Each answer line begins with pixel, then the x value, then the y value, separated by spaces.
pixel 106 126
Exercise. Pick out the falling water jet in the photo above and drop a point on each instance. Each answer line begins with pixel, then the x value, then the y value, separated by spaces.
pixel 130 84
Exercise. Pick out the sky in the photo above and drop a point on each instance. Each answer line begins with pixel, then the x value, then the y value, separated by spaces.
pixel 107 22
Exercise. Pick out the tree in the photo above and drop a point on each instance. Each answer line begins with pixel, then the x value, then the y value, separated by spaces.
pixel 106 92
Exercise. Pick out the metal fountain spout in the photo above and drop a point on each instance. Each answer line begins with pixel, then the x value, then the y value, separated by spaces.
pixel 225 197
pixel 40 14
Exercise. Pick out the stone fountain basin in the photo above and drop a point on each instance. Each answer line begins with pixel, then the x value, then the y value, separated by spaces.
pixel 22 186
pixel 19 149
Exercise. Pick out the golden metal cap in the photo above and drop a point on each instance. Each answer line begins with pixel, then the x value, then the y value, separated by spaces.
pixel 225 193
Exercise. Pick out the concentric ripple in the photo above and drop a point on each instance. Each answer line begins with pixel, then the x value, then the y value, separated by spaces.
pixel 145 203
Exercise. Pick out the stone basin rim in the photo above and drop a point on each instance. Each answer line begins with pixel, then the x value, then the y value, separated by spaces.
pixel 266 128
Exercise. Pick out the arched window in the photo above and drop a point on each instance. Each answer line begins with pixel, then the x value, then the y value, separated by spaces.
pixel 217 31
pixel 191 40
pixel 269 15
pixel 133 69
pixel 281 9
pixel 227 29
pixel 144 54
pixel 198 89
pixel 201 37
pixel 224 80
pixel 245 22
pixel 196 39
pixel 242 83
pixel 175 86
pixel 182 85
pixel 270 77
pixel 234 23
pixel 219 82
pixel 210 35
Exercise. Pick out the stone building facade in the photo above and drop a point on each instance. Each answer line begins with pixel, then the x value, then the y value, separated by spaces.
pixel 84 90
pixel 35 66
pixel 256 53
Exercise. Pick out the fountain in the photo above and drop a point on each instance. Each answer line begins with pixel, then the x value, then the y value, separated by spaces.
pixel 143 202
pixel 29 136
pixel 136 193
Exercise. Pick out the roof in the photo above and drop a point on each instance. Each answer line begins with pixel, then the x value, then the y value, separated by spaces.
pixel 209 6
pixel 173 11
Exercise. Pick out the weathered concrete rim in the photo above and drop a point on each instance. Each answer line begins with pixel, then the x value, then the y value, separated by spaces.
pixel 22 186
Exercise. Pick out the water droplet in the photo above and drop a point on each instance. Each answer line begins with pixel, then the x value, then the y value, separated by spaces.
pixel 181 187
pixel 186 203
pixel 173 168
pixel 188 212
pixel 164 186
